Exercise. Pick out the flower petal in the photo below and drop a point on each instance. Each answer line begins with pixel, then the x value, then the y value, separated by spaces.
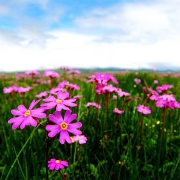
pixel 71 118
pixel 64 135
pixel 55 119
pixel 22 108
pixel 33 103
pixel 50 98
pixel 37 114
pixel 17 121
pixel 59 107
pixel 16 112
pixel 49 105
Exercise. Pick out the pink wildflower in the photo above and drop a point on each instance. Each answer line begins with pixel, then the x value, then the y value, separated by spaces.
pixel 163 88
pixel 61 102
pixel 156 81
pixel 121 93
pixel 102 78
pixel 51 74
pixel 26 117
pixel 117 111
pixel 80 138
pixel 10 90
pixel 22 90
pixel 32 72
pixel 73 86
pixel 65 68
pixel 93 104
pixel 73 72
pixel 56 164
pixel 143 109
pixel 137 81
pixel 63 126
pixel 153 94
pixel 42 94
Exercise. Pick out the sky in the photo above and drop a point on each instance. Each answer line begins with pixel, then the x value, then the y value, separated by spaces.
pixel 48 34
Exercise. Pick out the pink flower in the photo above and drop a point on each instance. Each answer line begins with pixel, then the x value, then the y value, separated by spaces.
pixel 93 104
pixel 57 164
pixel 80 138
pixel 65 68
pixel 114 97
pixel 42 94
pixel 73 72
pixel 117 111
pixel 143 109
pixel 61 102
pixel 26 117
pixel 22 90
pixel 160 103
pixel 63 84
pixel 32 72
pixel 163 88
pixel 121 93
pixel 156 81
pixel 63 126
pixel 73 86
pixel 166 100
pixel 51 74
pixel 153 94
pixel 137 81
pixel 11 89
pixel 102 78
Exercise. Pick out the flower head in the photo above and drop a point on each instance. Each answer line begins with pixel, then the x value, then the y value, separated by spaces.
pixel 61 102
pixel 137 81
pixel 42 94
pixel 51 74
pixel 94 104
pixel 80 138
pixel 143 109
pixel 63 126
pixel 56 164
pixel 117 111
pixel 26 117
pixel 32 72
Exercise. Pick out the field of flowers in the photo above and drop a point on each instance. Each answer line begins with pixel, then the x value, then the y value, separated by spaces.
pixel 68 125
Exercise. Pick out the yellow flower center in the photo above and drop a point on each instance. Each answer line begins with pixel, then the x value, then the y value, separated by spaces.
pixel 57 161
pixel 58 101
pixel 64 126
pixel 27 113
pixel 72 139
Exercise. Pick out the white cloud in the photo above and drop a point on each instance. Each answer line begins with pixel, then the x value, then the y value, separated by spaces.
pixel 141 22
pixel 126 36
pixel 76 50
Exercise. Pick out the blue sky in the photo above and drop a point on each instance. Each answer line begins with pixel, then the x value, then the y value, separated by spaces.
pixel 47 34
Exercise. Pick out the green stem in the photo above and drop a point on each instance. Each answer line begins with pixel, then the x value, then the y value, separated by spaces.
pixel 20 153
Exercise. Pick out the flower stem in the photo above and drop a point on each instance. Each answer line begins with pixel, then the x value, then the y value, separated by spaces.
pixel 47 157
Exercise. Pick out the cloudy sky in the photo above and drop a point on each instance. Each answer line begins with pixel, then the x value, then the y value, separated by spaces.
pixel 47 34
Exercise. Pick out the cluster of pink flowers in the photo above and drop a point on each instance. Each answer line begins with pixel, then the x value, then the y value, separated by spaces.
pixel 60 123
pixel 102 86
pixel 161 98
pixel 15 89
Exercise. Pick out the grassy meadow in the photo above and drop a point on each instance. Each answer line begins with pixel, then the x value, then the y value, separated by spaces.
pixel 123 143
